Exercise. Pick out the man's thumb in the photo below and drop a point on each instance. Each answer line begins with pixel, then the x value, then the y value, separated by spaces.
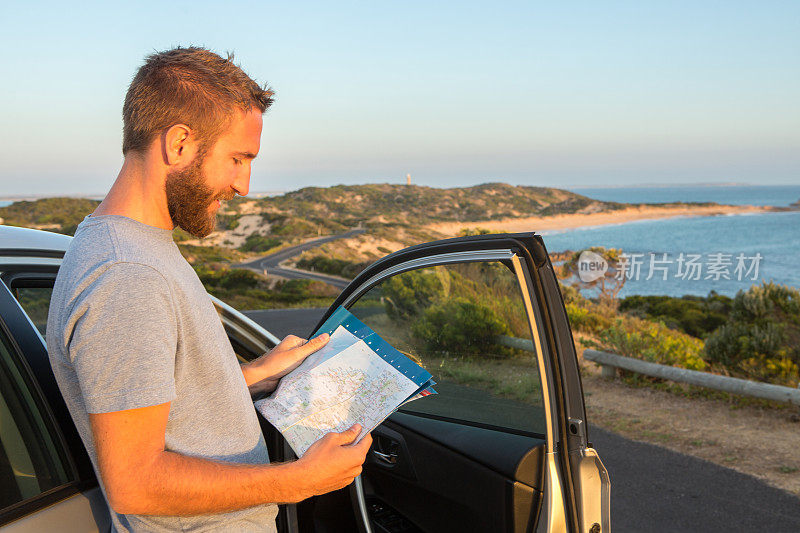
pixel 349 435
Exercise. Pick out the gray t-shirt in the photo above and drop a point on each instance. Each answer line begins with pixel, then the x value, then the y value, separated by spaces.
pixel 131 326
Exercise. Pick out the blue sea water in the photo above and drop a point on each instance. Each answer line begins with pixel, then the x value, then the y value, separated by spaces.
pixel 773 236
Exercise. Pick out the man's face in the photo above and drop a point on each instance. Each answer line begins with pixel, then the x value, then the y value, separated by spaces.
pixel 215 174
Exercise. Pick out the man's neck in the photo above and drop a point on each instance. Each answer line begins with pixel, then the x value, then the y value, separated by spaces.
pixel 138 193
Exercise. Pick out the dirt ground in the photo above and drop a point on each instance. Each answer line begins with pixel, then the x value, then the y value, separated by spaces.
pixel 758 441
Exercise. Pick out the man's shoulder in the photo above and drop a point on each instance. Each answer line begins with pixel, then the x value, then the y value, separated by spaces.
pixel 102 263
pixel 122 239
pixel 101 285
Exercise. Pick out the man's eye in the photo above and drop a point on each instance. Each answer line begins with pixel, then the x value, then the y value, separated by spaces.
pixel 237 161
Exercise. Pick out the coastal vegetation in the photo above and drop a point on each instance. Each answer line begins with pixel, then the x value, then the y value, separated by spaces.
pixel 754 335
pixel 61 215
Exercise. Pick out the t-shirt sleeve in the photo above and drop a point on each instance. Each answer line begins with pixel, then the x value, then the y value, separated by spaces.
pixel 123 340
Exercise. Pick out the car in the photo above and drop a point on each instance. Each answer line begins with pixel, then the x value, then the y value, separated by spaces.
pixel 503 446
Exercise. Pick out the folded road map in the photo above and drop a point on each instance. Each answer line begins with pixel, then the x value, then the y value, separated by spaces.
pixel 357 377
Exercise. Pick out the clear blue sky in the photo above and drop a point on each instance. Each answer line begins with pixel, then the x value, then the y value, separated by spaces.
pixel 540 93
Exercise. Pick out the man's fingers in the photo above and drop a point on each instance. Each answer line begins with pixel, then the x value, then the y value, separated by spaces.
pixel 291 341
pixel 314 344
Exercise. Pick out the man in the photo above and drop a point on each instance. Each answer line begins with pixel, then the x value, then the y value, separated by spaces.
pixel 136 346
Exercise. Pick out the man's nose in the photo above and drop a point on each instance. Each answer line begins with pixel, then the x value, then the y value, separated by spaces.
pixel 242 183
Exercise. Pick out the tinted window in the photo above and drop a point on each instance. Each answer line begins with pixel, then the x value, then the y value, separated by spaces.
pixel 29 460
pixel 465 324
pixel 36 302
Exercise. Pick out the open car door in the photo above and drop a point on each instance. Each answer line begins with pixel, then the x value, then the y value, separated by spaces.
pixel 503 446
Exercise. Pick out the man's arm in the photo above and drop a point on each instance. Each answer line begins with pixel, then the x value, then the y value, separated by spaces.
pixel 141 477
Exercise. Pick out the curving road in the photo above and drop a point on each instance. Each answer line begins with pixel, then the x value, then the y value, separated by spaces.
pixel 652 489
pixel 271 262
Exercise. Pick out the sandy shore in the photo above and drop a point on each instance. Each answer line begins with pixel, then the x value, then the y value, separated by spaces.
pixel 577 220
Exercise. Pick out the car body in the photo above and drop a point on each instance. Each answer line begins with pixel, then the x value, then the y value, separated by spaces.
pixel 469 460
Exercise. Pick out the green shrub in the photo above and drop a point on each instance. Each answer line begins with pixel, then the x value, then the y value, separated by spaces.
pixel 461 326
pixel 762 338
pixel 468 232
pixel 294 227
pixel 227 222
pixel 406 294
pixel 238 278
pixel 651 341
pixel 259 243
pixel 583 319
pixel 696 315
pixel 63 213
pixel 570 294
pixel 335 267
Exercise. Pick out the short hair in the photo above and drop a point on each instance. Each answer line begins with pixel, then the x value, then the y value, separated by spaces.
pixel 191 86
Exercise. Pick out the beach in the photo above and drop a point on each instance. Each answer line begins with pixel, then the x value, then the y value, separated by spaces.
pixel 578 220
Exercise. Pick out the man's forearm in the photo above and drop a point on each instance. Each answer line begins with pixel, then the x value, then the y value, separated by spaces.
pixel 176 484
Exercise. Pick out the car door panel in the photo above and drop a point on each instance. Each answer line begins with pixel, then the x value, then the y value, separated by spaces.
pixel 462 475
pixel 85 511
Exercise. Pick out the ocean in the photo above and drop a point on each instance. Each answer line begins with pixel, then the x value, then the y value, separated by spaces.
pixel 745 249
pixel 779 195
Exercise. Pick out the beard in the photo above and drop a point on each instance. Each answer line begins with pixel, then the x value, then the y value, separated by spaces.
pixel 189 198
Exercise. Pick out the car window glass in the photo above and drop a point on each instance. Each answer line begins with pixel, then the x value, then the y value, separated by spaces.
pixel 35 301
pixel 29 460
pixel 465 324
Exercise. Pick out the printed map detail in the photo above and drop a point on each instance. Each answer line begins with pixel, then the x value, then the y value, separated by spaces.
pixel 344 383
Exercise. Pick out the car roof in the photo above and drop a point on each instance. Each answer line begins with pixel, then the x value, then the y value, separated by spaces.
pixel 23 240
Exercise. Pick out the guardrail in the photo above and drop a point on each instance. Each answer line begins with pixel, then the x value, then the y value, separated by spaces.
pixel 609 363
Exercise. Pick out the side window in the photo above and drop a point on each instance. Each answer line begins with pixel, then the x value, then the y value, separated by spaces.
pixel 29 460
pixel 466 324
pixel 35 301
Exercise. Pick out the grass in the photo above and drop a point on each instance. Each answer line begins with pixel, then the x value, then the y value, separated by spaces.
pixel 515 379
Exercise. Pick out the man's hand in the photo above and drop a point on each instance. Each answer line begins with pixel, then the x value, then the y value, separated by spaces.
pixel 263 374
pixel 334 461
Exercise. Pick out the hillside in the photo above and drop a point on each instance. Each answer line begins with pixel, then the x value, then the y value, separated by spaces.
pixel 322 210
pixel 61 215
pixel 394 216
pixel 379 204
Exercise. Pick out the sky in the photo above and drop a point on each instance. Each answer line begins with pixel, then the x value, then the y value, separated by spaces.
pixel 561 94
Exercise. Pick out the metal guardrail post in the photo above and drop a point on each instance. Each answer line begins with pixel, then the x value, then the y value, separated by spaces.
pixel 609 362
pixel 742 387
pixel 608 371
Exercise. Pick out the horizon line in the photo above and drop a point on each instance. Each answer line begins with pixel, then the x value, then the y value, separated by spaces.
pixel 276 192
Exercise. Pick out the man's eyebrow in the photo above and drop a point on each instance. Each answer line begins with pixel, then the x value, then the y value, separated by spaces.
pixel 245 155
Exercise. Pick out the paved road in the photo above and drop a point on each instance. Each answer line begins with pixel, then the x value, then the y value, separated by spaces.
pixel 271 262
pixel 653 489
pixel 282 322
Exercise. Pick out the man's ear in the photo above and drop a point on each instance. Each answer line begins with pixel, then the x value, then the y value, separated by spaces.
pixel 178 145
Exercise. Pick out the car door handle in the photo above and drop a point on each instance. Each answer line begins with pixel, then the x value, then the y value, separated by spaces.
pixel 388 458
